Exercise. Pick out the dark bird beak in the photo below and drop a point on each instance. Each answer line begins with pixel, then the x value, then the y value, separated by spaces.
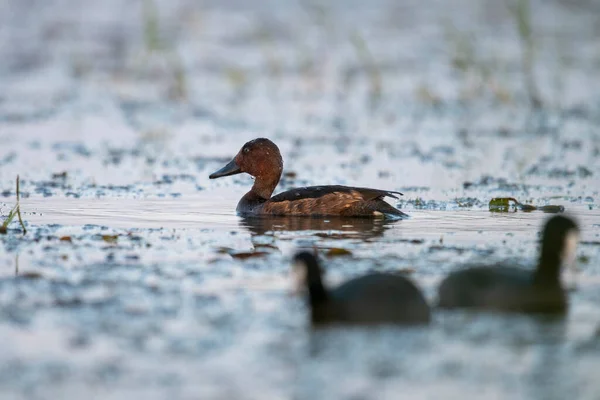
pixel 230 169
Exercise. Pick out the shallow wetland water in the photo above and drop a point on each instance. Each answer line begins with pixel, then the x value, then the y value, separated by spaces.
pixel 137 280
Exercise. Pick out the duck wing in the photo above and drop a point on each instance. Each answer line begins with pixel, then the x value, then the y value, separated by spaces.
pixel 332 200
pixel 313 192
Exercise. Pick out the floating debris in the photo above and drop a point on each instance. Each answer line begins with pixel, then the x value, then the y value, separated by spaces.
pixel 338 251
pixel 110 238
pixel 241 255
pixel 506 204
pixel 60 175
pixel 31 275
pixel 248 254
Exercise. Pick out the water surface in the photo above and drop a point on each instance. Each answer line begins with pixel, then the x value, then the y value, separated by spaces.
pixel 137 280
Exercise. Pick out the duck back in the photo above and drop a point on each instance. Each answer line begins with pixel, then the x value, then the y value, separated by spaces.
pixel 318 201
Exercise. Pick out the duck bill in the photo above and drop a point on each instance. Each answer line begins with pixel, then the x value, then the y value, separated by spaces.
pixel 230 169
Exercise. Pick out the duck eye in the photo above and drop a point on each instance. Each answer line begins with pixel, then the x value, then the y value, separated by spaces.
pixel 246 149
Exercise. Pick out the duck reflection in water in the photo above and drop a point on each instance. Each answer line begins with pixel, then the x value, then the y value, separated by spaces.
pixel 332 227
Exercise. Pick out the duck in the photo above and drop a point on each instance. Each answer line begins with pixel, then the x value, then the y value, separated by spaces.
pixel 262 159
pixel 373 299
pixel 508 289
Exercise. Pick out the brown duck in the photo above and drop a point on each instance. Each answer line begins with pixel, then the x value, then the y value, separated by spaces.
pixel 261 159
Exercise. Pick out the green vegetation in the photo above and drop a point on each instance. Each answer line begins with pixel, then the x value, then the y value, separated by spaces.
pixel 484 75
pixel 481 75
pixel 521 12
pixel 16 211
pixel 368 61
pixel 154 45
pixel 151 27
pixel 505 204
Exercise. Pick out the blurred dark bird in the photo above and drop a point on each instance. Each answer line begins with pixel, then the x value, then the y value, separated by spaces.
pixel 505 288
pixel 261 159
pixel 371 299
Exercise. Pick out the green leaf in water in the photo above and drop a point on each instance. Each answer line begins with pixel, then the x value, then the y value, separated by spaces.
pixel 500 204
pixel 526 207
pixel 338 251
pixel 552 209
pixel 504 204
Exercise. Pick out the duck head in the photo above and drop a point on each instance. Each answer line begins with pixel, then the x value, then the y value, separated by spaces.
pixel 259 158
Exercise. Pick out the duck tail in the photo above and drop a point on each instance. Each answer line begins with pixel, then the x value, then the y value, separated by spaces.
pixel 390 212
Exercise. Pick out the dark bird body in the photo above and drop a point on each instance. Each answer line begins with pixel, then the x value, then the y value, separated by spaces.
pixel 371 299
pixel 261 159
pixel 501 288
pixel 504 288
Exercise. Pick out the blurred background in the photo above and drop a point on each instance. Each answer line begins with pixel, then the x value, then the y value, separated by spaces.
pixel 135 276
pixel 458 90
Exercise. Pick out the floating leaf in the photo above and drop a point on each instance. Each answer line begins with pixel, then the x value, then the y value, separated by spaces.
pixel 246 255
pixel 66 239
pixel 60 175
pixel 224 250
pixel 552 209
pixel 241 255
pixel 338 251
pixel 266 246
pixel 31 275
pixel 110 238
pixel 504 204
pixel 500 204
pixel 526 207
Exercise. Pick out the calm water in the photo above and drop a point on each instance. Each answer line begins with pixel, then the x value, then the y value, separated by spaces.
pixel 136 279
pixel 165 311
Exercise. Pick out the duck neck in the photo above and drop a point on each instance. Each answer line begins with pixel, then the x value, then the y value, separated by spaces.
pixel 317 293
pixel 548 269
pixel 265 185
